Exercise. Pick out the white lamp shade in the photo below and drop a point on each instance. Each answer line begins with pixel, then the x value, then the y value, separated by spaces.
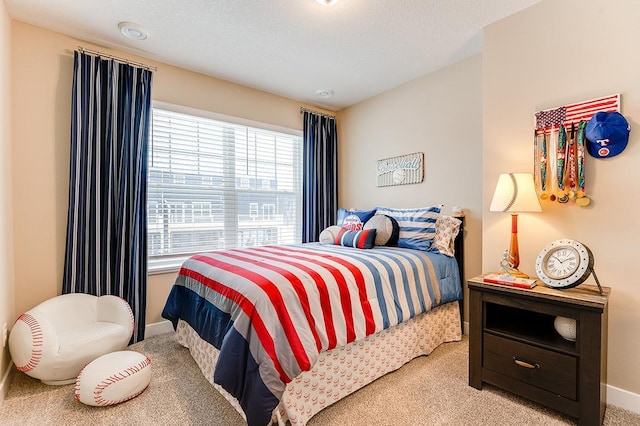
pixel 515 193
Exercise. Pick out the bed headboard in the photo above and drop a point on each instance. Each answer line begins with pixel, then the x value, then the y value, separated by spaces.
pixel 459 255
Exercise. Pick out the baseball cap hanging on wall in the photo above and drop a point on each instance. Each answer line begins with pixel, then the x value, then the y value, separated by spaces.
pixel 607 134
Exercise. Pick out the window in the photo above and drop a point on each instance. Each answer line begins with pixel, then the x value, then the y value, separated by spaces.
pixel 253 210
pixel 176 212
pixel 202 212
pixel 155 213
pixel 216 184
pixel 268 211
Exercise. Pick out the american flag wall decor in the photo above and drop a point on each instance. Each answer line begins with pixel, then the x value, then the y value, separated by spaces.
pixel 556 170
pixel 401 170
pixel 551 119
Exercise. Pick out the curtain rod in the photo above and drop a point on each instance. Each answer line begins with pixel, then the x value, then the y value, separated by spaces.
pixel 118 59
pixel 303 109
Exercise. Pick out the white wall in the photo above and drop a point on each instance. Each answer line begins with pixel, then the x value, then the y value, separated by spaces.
pixel 6 235
pixel 440 115
pixel 553 54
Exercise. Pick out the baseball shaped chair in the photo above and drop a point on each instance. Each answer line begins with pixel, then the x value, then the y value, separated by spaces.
pixel 56 339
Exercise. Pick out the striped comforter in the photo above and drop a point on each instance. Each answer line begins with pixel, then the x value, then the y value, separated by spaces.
pixel 271 310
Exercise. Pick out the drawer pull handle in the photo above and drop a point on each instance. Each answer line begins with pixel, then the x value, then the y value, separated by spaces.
pixel 525 364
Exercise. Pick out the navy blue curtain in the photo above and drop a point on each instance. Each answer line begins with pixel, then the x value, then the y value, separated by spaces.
pixel 106 251
pixel 320 175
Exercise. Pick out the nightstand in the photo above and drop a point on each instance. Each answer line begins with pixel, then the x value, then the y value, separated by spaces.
pixel 513 345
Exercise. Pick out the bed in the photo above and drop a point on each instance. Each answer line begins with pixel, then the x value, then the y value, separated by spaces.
pixel 284 331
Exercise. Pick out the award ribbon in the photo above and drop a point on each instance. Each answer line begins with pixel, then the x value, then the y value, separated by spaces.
pixel 561 154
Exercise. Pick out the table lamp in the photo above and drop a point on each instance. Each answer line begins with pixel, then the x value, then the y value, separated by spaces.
pixel 515 193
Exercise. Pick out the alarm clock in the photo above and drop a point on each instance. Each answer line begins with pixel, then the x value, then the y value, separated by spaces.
pixel 564 264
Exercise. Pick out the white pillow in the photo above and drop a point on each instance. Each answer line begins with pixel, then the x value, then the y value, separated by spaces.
pixel 329 234
pixel 447 228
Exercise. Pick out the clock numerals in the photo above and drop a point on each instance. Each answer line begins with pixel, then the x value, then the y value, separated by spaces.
pixel 561 263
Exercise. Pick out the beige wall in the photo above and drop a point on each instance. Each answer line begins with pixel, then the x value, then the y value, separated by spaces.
pixel 472 120
pixel 42 66
pixel 553 54
pixel 6 235
pixel 439 114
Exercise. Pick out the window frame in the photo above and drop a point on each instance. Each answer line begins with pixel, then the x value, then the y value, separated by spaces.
pixel 172 263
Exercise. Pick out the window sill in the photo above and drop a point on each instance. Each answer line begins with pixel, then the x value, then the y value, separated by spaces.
pixel 165 266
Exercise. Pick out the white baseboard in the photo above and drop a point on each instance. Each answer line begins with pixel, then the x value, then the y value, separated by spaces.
pixel 158 328
pixel 5 382
pixel 623 399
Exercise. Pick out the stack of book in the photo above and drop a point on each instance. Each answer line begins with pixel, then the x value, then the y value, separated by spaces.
pixel 509 280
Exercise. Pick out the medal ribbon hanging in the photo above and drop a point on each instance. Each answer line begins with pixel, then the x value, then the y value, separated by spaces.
pixel 571 163
pixel 543 166
pixel 561 155
pixel 582 200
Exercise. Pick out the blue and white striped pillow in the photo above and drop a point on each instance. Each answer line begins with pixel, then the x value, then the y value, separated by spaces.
pixel 417 226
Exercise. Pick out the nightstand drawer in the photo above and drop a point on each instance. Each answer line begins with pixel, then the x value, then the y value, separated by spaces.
pixel 548 370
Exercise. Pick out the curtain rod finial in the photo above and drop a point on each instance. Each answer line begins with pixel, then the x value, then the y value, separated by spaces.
pixel 303 109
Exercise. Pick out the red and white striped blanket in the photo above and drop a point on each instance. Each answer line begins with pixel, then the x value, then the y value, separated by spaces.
pixel 271 310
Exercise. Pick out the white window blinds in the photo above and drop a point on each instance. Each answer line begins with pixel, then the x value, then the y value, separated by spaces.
pixel 215 185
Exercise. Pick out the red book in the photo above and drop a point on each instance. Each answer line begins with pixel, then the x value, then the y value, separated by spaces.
pixel 510 281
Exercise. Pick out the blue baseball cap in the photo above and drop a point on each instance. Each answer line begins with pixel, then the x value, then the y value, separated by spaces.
pixel 607 134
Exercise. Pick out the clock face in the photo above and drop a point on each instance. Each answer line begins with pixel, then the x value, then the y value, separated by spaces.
pixel 564 264
pixel 561 262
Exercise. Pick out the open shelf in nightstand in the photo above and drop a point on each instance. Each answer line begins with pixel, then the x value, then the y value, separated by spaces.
pixel 526 326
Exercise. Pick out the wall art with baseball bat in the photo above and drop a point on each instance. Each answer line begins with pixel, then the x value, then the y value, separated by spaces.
pixel 559 149
pixel 401 170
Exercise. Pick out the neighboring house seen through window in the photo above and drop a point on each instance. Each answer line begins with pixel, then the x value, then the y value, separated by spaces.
pixel 216 185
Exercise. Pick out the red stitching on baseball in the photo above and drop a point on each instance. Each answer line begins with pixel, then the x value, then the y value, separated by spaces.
pixel 77 391
pixel 36 343
pixel 100 388
pixel 133 320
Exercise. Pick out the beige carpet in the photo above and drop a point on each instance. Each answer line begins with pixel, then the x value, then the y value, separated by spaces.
pixel 429 390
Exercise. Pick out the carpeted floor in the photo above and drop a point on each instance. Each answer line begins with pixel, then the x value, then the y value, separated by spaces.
pixel 429 390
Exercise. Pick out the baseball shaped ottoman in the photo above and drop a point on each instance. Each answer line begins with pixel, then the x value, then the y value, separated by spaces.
pixel 113 378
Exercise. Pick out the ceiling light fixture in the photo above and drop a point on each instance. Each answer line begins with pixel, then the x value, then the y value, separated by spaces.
pixel 324 93
pixel 133 31
pixel 328 2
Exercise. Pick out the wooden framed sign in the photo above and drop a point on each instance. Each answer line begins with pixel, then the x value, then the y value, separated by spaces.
pixel 401 170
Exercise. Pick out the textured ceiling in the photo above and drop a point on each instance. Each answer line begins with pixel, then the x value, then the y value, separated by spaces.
pixel 292 48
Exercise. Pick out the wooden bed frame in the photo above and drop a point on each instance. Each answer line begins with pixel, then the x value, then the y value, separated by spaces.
pixel 459 255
